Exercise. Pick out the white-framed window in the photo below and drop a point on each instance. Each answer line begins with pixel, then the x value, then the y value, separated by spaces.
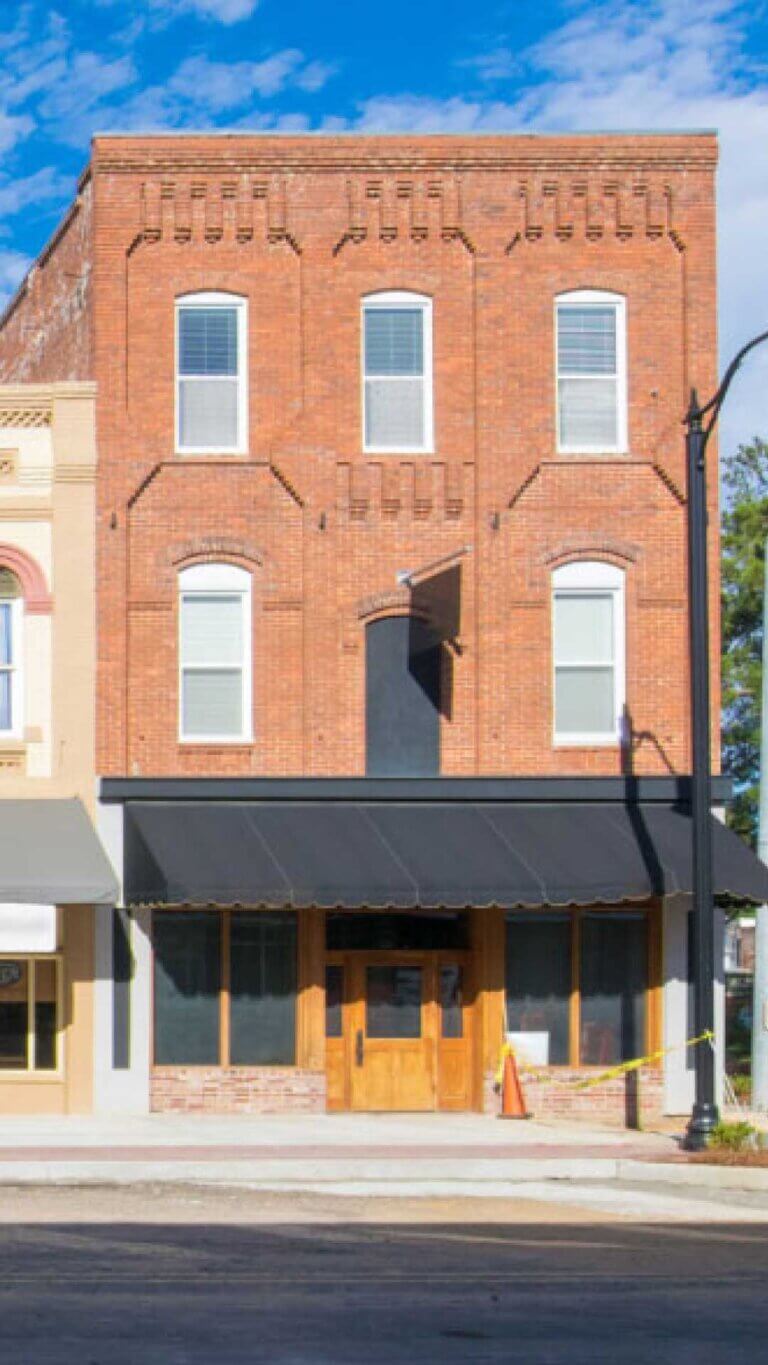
pixel 397 372
pixel 211 374
pixel 588 652
pixel 11 655
pixel 591 360
pixel 215 654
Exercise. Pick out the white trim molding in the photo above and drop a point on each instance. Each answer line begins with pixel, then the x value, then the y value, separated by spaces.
pixel 210 299
pixel 588 299
pixel 15 667
pixel 598 579
pixel 401 298
pixel 224 581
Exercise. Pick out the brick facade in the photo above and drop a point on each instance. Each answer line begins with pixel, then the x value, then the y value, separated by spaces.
pixel 625 1101
pixel 237 1090
pixel 492 229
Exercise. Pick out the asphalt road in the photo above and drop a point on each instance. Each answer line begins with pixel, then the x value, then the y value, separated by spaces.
pixel 188 1277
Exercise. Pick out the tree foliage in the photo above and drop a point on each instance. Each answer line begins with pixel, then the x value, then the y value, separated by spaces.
pixel 745 528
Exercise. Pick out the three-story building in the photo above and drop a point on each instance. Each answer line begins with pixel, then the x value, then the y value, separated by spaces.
pixel 392 703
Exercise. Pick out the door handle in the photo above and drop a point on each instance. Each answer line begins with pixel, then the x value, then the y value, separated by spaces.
pixel 359 1047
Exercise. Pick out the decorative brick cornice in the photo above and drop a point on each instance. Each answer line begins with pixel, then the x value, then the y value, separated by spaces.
pixel 244 207
pixel 391 208
pixel 264 155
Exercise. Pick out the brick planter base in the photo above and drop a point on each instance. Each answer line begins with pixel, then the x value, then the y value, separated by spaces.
pixel 236 1090
pixel 626 1101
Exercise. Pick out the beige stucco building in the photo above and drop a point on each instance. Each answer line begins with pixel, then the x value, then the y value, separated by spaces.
pixel 53 873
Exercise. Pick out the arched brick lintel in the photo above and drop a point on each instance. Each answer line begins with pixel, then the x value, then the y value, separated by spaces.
pixel 37 599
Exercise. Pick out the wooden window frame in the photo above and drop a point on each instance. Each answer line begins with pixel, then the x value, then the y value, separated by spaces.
pixel 225 1020
pixel 30 1073
pixel 653 987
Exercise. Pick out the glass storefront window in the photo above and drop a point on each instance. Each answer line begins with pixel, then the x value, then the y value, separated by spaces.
pixel 539 979
pixel 613 983
pixel 262 989
pixel 582 973
pixel 29 1014
pixel 232 968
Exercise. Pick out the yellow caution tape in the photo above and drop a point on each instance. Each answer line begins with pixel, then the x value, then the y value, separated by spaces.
pixel 529 1073
pixel 705 1037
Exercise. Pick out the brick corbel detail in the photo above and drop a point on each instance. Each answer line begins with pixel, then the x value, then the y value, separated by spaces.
pixel 37 598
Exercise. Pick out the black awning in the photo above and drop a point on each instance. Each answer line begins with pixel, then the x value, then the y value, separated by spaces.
pixel 420 854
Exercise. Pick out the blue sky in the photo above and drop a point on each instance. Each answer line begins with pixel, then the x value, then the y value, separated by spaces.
pixel 82 66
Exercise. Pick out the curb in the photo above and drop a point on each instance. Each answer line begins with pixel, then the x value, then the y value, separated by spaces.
pixel 383 1176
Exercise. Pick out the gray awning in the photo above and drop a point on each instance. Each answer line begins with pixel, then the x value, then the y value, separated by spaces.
pixel 420 854
pixel 50 854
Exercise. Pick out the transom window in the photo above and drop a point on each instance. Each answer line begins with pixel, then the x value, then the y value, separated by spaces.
pixel 397 372
pixel 215 653
pixel 211 396
pixel 588 653
pixel 591 372
pixel 11 616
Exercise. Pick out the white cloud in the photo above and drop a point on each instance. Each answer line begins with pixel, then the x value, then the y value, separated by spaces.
pixel 218 86
pixel 671 64
pixel 217 11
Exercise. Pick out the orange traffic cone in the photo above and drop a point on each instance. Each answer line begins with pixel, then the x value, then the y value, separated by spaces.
pixel 512 1101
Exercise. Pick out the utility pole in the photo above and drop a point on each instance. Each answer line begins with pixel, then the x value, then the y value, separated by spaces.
pixel 760 981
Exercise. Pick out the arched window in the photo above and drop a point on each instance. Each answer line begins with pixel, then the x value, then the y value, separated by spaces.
pixel 211 374
pixel 215 654
pixel 402 708
pixel 11 655
pixel 591 372
pixel 588 653
pixel 397 372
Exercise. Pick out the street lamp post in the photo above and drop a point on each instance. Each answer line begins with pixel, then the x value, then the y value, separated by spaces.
pixel 699 422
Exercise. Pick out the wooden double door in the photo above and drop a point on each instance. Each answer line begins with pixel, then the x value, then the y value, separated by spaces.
pixel 399 1030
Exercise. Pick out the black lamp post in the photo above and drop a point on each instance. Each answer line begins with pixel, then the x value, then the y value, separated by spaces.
pixel 698 430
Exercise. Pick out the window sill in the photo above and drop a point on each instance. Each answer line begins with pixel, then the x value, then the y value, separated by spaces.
pixel 210 453
pixel 188 745
pixel 398 450
pixel 32 1077
pixel 587 742
pixel 592 453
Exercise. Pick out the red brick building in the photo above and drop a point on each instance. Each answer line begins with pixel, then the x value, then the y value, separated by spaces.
pixel 391 503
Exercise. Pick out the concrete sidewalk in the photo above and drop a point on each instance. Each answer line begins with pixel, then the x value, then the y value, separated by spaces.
pixel 414 1152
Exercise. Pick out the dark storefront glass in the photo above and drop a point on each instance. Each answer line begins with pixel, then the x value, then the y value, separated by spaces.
pixel 187 986
pixel 14 994
pixel 396 933
pixel 614 954
pixel 393 1002
pixel 451 1001
pixel 539 979
pixel 263 989
pixel 334 999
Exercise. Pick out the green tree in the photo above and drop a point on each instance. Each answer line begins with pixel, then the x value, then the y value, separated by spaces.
pixel 745 528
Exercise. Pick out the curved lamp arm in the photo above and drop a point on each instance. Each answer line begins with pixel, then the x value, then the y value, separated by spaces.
pixel 696 412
